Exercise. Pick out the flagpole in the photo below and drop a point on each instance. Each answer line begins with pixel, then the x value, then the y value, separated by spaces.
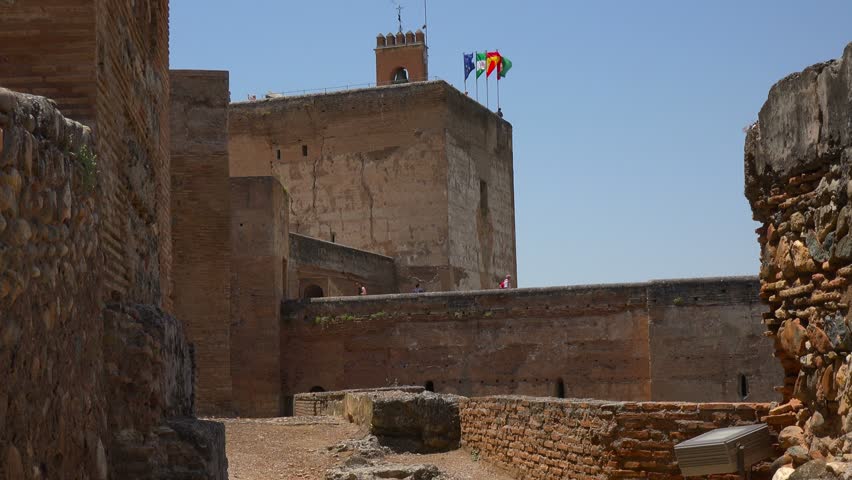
pixel 487 94
pixel 477 87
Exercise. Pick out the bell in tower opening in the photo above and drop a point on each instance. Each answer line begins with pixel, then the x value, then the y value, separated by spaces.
pixel 401 76
pixel 401 58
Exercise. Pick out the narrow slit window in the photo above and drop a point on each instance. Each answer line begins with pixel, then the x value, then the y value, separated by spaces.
pixel 278 154
pixel 743 387
pixel 304 150
pixel 483 196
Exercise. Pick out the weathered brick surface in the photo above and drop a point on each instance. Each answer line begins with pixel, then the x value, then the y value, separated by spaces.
pixel 258 276
pixel 797 164
pixel 201 222
pixel 592 439
pixel 596 340
pixel 417 172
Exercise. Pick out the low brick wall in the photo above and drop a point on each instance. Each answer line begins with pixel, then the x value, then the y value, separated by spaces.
pixel 331 403
pixel 536 438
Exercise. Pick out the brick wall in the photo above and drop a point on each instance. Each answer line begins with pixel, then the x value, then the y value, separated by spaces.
pixel 49 50
pixel 592 439
pixel 586 341
pixel 132 133
pixel 105 63
pixel 337 268
pixel 201 222
pixel 797 164
pixel 259 248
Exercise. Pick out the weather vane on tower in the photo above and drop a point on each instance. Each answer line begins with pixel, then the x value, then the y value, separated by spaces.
pixel 399 16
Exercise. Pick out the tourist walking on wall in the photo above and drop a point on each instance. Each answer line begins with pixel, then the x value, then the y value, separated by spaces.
pixel 418 289
pixel 507 282
pixel 362 290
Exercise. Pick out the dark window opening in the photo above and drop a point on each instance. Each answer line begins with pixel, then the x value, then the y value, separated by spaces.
pixel 743 387
pixel 400 76
pixel 278 154
pixel 483 196
pixel 560 389
pixel 313 291
pixel 332 237
pixel 317 389
pixel 304 150
pixel 429 386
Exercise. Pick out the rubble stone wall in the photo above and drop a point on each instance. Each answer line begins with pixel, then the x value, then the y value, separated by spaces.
pixel 52 408
pixel 798 181
pixel 587 341
pixel 87 391
pixel 592 439
pixel 201 223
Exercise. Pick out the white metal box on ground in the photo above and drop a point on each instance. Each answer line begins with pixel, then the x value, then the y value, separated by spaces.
pixel 716 451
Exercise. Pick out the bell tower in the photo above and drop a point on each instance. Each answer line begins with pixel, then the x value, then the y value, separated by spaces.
pixel 401 58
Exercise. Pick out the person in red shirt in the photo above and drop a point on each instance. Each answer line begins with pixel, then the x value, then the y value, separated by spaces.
pixel 507 282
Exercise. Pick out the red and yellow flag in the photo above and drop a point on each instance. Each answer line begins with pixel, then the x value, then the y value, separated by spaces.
pixel 493 60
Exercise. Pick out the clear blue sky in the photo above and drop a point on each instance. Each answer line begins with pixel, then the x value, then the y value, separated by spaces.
pixel 628 116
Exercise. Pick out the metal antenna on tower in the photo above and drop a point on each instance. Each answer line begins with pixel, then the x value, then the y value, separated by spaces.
pixel 399 16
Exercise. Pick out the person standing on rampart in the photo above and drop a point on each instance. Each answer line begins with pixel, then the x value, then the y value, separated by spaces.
pixel 507 282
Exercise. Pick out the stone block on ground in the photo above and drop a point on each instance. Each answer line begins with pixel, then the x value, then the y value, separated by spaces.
pixel 424 422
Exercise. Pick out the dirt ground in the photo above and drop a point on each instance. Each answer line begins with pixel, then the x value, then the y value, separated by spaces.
pixel 296 448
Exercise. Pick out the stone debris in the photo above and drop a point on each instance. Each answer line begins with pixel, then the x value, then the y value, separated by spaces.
pixel 377 472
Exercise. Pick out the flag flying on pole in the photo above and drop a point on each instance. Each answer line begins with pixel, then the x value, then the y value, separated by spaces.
pixel 468 65
pixel 505 66
pixel 480 64
pixel 493 60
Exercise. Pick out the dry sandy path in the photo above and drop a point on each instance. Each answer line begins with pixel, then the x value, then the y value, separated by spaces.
pixel 296 448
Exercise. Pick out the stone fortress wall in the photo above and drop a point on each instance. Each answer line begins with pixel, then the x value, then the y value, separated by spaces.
pixel 798 181
pixel 416 172
pixel 654 341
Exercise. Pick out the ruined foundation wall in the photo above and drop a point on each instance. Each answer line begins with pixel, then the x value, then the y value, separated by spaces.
pixel 259 249
pixel 589 341
pixel 592 439
pixel 798 181
pixel 201 222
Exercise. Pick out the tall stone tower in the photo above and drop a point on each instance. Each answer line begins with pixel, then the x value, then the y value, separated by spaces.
pixel 401 58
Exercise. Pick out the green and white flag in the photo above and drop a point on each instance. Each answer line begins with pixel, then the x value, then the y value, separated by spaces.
pixel 480 64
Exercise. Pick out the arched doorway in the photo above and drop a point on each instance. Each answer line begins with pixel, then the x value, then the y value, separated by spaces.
pixel 313 291
pixel 317 389
pixel 429 386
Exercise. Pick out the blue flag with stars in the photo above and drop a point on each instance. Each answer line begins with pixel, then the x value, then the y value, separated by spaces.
pixel 468 65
